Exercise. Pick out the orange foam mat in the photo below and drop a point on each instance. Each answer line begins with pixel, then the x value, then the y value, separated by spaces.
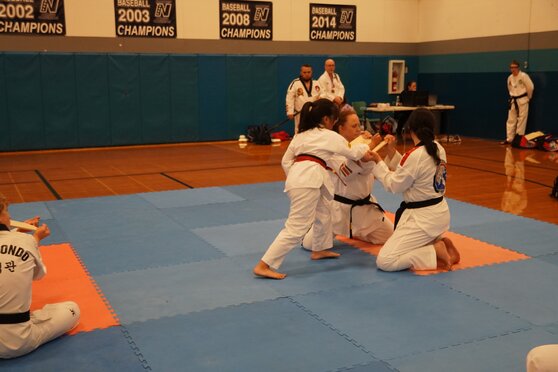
pixel 474 253
pixel 67 279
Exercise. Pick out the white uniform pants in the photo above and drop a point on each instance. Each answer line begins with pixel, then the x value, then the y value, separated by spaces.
pixel 543 359
pixel 45 325
pixel 377 231
pixel 310 208
pixel 408 247
pixel 517 123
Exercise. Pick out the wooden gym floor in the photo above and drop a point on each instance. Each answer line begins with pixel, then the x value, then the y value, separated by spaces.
pixel 480 172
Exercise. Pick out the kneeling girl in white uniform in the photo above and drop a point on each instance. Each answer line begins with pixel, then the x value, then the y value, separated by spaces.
pixel 424 214
pixel 309 186
pixel 355 211
pixel 22 331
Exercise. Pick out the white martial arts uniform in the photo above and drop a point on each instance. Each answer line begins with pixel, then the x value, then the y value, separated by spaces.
pixel 310 190
pixel 332 87
pixel 298 95
pixel 518 86
pixel 20 264
pixel 417 177
pixel 543 358
pixel 353 180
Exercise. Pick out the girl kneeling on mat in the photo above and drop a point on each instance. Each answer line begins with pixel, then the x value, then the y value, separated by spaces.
pixel 424 214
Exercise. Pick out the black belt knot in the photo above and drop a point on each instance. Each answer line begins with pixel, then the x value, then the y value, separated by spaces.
pixel 355 203
pixel 15 318
pixel 414 205
pixel 513 100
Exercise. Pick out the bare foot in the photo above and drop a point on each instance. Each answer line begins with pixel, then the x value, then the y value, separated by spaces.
pixel 262 269
pixel 455 257
pixel 442 256
pixel 320 255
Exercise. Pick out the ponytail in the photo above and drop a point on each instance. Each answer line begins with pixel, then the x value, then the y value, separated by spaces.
pixel 312 114
pixel 421 123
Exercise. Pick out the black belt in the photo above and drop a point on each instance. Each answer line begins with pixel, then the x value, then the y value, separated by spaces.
pixel 415 205
pixel 14 318
pixel 355 203
pixel 514 100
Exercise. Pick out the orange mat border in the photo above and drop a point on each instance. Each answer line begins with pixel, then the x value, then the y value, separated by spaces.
pixel 474 253
pixel 67 279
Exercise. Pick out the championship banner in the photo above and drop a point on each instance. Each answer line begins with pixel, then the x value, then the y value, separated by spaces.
pixel 332 22
pixel 249 20
pixel 145 18
pixel 36 17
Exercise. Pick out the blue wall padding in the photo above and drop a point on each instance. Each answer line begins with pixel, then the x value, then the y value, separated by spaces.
pixel 213 105
pixel 184 98
pixel 24 101
pixel 155 102
pixel 92 92
pixel 125 99
pixel 64 100
pixel 59 100
pixel 5 136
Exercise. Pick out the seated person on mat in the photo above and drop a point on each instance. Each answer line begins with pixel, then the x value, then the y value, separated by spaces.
pixel 20 263
pixel 424 215
pixel 355 213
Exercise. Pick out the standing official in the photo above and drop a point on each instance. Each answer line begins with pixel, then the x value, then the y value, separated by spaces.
pixel 521 89
pixel 22 331
pixel 301 90
pixel 331 84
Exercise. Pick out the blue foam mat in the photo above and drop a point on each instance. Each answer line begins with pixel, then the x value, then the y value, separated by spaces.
pixel 525 235
pixel 177 269
pixel 266 336
pixel 113 235
pixel 243 238
pixel 466 214
pixel 305 275
pixel 222 214
pixel 189 198
pixel 101 350
pixel 504 353
pixel 525 288
pixel 24 211
pixel 402 317
pixel 181 289
pixel 257 191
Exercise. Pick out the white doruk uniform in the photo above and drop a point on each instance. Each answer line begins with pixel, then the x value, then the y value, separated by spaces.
pixel 419 179
pixel 298 95
pixel 520 88
pixel 354 181
pixel 310 190
pixel 20 264
pixel 331 86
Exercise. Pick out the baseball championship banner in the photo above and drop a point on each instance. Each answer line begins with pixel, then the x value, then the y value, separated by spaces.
pixel 145 18
pixel 249 20
pixel 35 17
pixel 332 22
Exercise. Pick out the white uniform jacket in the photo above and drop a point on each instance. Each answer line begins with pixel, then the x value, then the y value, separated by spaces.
pixel 298 95
pixel 331 87
pixel 519 85
pixel 417 177
pixel 320 142
pixel 20 264
pixel 353 180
